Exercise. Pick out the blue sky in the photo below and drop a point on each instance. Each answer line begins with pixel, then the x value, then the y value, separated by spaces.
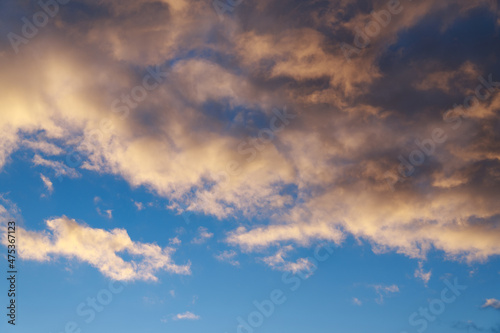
pixel 263 167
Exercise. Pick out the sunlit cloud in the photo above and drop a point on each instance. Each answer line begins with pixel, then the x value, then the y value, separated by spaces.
pixel 160 122
pixel 99 248
pixel 491 303
pixel 186 316
pixel 48 183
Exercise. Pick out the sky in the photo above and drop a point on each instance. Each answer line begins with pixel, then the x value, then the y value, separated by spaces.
pixel 250 166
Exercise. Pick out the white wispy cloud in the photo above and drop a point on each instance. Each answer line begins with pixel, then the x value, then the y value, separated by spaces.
pixel 48 183
pixel 174 241
pixel 139 205
pixel 421 274
pixel 384 290
pixel 59 168
pixel 203 236
pixel 100 248
pixel 186 316
pixel 356 301
pixel 228 256
pixel 278 262
pixel 108 213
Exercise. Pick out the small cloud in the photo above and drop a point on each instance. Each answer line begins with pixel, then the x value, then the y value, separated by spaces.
pixel 278 262
pixel 186 316
pixel 172 293
pixel 180 231
pixel 492 303
pixel 174 241
pixel 48 183
pixel 472 272
pixel 139 205
pixel 421 274
pixel 107 213
pixel 356 301
pixel 383 291
pixel 96 200
pixel 203 236
pixel 228 256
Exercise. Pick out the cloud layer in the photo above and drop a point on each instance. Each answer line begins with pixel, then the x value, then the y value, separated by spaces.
pixel 384 145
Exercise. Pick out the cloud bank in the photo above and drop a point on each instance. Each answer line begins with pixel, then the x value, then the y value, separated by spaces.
pixel 395 145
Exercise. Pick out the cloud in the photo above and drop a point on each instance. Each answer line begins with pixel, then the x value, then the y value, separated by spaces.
pixel 302 233
pixel 491 303
pixel 278 262
pixel 384 291
pixel 99 248
pixel 42 146
pixel 228 256
pixel 139 205
pixel 108 213
pixel 356 301
pixel 327 174
pixel 48 184
pixel 174 241
pixel 421 274
pixel 186 316
pixel 203 236
pixel 9 211
pixel 59 168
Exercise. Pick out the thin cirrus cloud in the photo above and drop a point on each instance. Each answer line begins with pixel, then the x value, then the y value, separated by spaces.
pixel 186 316
pixel 67 238
pixel 492 303
pixel 384 291
pixel 421 274
pixel 203 236
pixel 228 256
pixel 47 182
pixel 337 155
pixel 356 301
pixel 278 262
